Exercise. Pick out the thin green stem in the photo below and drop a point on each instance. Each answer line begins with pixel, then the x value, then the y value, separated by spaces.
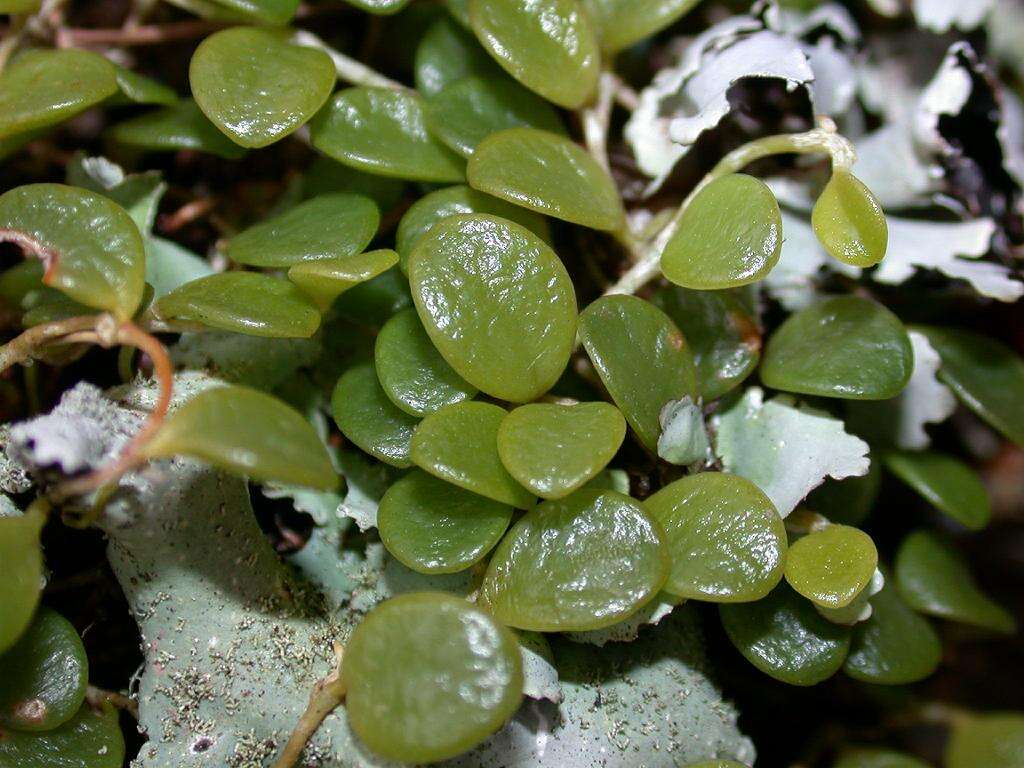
pixel 349 70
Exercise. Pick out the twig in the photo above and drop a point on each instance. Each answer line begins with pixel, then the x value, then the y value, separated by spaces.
pixel 327 695
pixel 625 96
pixel 187 213
pixel 349 70
pixel 20 348
pixel 147 34
pixel 595 120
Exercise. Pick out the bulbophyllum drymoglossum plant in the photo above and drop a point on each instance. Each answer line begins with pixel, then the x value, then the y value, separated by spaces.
pixel 557 346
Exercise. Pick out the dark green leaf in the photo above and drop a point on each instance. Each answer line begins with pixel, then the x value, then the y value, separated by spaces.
pixel 367 418
pixel 181 126
pixel 946 482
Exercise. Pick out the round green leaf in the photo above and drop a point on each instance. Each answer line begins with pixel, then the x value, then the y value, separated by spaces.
pixel 89 245
pixel 180 126
pixel 849 221
pixel 247 432
pixel 642 358
pixel 275 12
pixel 45 675
pixel 784 637
pixel 729 235
pixel 895 645
pixel 832 566
pixel 367 418
pixel 446 54
pixel 411 370
pixel 987 377
pixel 723 335
pixel 846 347
pixel 547 45
pixel 726 539
pixel 381 7
pixel 459 444
pixel 243 302
pixel 326 176
pixel 91 738
pixel 22 556
pixel 326 280
pixel 450 201
pixel 622 23
pixel 497 303
pixel 583 562
pixel 555 449
pixel 991 740
pixel 257 87
pixel 933 577
pixel 326 227
pixel 873 757
pixel 428 676
pixel 547 173
pixel 40 88
pixel 847 501
pixel 140 89
pixel 946 482
pixel 469 110
pixel 435 527
pixel 382 131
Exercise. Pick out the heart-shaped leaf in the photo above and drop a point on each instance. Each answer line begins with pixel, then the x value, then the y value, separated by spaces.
pixel 846 347
pixel 44 87
pixel 243 302
pixel 729 235
pixel 326 227
pixel 547 45
pixel 642 359
pixel 583 562
pixel 326 280
pixel 428 676
pixel 90 247
pixel 257 87
pixel 23 573
pixel 383 131
pixel 432 526
pixel 946 482
pixel 547 173
pixel 555 449
pixel 497 303
pixel 831 566
pixel 622 23
pixel 248 432
pixel 92 737
pixel 411 370
pixel 446 54
pixel 367 418
pixel 459 444
pixel 849 221
pixel 727 541
pixel 180 126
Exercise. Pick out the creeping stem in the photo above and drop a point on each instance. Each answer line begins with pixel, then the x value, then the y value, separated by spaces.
pixel 349 70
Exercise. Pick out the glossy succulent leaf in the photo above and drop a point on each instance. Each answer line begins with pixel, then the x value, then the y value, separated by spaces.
pixel 140 89
pixel 327 279
pixel 326 176
pixel 383 131
pixel 40 88
pixel 583 562
pixel 846 347
pixel 848 220
pixel 45 675
pixel 265 11
pixel 784 637
pixel 247 432
pixel 257 87
pixel 849 501
pixel 549 46
pixel 327 227
pixel 727 541
pixel 375 301
pixel 729 235
pixel 176 127
pixel 469 110
pixel 944 481
pixel 547 173
pixel 428 676
pixel 411 370
pixel 89 245
pixel 432 526
pixel 497 303
pixel 875 757
pixel 989 740
pixel 91 738
pixel 459 444
pixel 448 53
pixel 451 201
pixel 723 336
pixel 555 449
pixel 895 645
pixel 22 584
pixel 832 566
pixel 622 23
pixel 642 358
pixel 382 7
pixel 367 418
pixel 933 578
pixel 986 376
